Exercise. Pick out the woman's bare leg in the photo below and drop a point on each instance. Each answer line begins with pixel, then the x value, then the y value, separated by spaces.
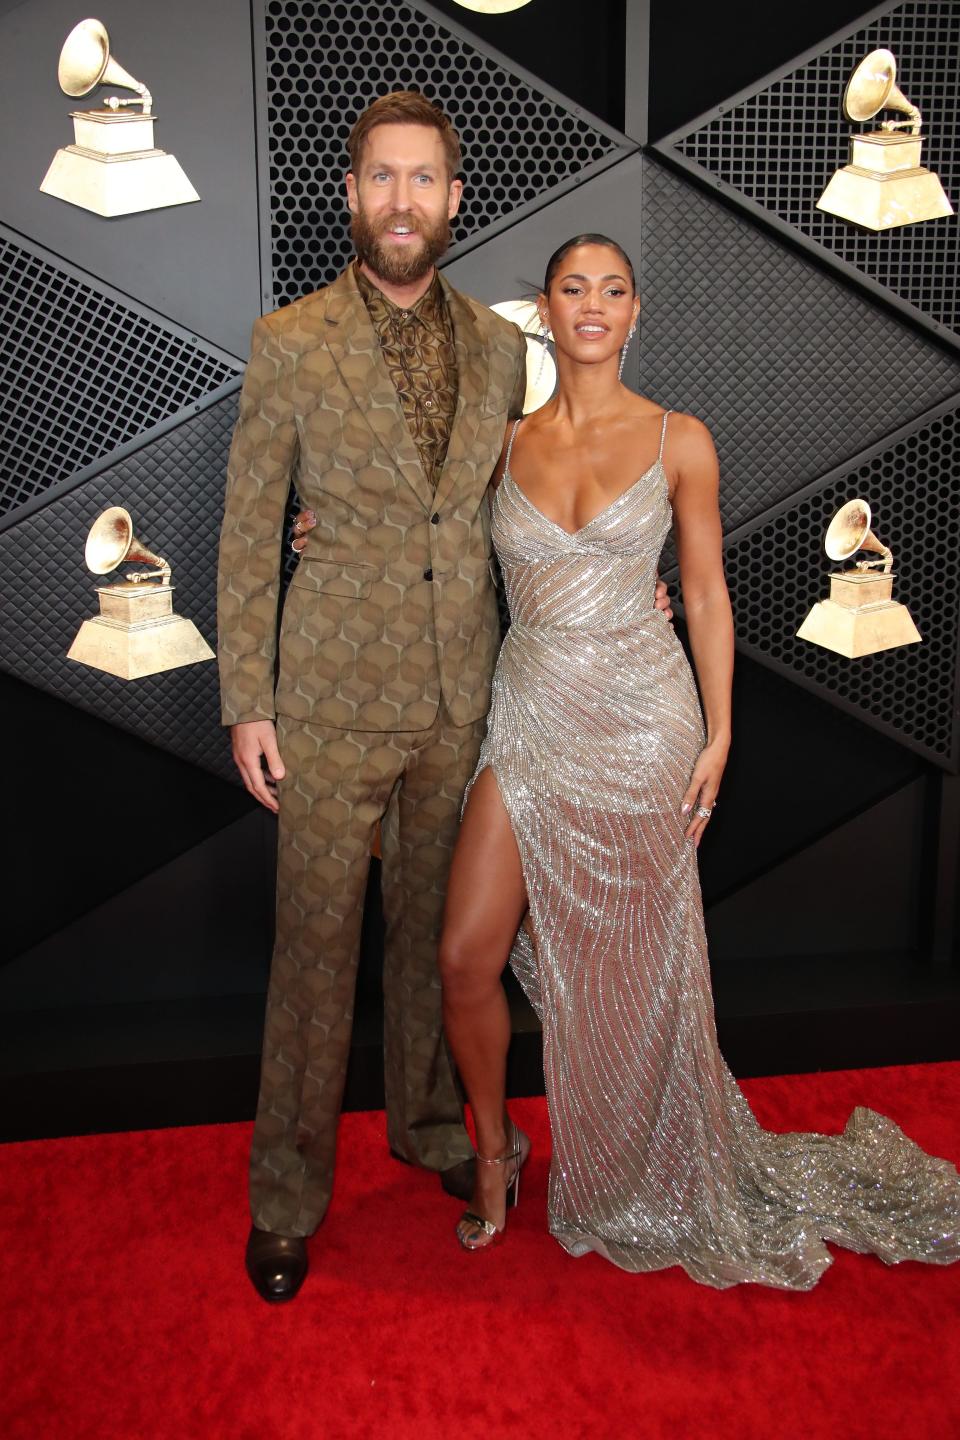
pixel 486 899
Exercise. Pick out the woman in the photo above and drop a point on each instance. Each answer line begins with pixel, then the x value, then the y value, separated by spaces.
pixel 594 788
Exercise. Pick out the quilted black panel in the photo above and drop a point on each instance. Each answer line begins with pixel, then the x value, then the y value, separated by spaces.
pixel 173 489
pixel 776 569
pixel 780 146
pixel 326 62
pixel 792 370
pixel 80 372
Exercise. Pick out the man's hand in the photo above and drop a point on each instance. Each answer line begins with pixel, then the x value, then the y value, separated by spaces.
pixel 303 524
pixel 661 600
pixel 254 742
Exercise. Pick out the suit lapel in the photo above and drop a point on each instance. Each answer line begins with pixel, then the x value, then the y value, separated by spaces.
pixel 353 344
pixel 472 374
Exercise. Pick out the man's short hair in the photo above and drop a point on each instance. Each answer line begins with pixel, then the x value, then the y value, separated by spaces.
pixel 404 107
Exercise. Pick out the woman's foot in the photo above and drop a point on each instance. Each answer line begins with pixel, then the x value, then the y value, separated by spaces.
pixel 497 1174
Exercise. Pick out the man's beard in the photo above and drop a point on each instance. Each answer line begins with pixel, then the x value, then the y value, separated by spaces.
pixel 398 264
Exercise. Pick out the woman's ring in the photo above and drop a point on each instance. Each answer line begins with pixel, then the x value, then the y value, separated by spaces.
pixel 703 812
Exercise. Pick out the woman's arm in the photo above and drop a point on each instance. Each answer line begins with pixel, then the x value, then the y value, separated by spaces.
pixel 692 462
pixel 501 465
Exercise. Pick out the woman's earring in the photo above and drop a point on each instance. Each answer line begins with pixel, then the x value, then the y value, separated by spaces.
pixel 544 332
pixel 623 352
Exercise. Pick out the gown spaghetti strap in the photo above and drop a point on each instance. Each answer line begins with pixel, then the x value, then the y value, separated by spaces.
pixel 594 730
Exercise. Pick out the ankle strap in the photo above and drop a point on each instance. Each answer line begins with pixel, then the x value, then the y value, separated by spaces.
pixel 498 1159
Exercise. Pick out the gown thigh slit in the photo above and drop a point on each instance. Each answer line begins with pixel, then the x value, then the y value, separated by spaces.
pixel 594 730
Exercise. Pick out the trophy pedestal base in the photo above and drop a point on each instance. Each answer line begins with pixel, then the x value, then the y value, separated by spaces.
pixel 112 185
pixel 853 632
pixel 137 634
pixel 885 185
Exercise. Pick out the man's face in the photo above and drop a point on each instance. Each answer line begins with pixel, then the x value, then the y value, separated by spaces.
pixel 402 201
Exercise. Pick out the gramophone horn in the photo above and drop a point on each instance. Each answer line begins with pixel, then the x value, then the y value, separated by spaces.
pixel 849 531
pixel 85 62
pixel 872 87
pixel 111 541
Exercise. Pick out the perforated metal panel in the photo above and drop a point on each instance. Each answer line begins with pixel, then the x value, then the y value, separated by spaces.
pixel 776 569
pixel 80 373
pixel 792 369
pixel 780 145
pixel 173 488
pixel 325 62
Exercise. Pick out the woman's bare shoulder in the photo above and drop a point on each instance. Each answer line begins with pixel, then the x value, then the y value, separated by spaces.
pixel 688 437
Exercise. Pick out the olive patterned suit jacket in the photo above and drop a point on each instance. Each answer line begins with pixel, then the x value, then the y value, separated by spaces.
pixel 392 605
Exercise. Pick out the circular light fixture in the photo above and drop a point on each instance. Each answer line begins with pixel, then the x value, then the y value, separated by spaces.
pixel 541 375
pixel 541 366
pixel 493 7
pixel 523 313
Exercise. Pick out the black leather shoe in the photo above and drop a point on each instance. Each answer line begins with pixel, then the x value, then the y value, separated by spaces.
pixel 458 1180
pixel 276 1265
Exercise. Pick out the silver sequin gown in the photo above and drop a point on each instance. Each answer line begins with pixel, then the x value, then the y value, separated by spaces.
pixel 657 1158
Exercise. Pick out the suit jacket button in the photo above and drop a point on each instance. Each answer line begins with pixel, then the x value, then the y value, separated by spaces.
pixel 434 519
pixel 428 574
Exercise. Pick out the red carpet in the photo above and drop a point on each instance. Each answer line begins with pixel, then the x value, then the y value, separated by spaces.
pixel 126 1312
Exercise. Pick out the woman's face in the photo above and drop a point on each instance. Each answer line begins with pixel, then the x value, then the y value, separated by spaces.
pixel 591 306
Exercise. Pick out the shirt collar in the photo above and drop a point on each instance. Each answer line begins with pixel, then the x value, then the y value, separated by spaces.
pixel 429 310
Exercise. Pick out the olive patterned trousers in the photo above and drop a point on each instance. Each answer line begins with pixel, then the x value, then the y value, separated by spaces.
pixel 338 785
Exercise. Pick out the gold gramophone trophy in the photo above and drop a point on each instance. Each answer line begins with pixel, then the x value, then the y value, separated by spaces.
pixel 113 167
pixel 861 615
pixel 136 632
pixel 884 184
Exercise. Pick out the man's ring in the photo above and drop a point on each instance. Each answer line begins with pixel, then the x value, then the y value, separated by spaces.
pixel 295 550
pixel 296 527
pixel 703 812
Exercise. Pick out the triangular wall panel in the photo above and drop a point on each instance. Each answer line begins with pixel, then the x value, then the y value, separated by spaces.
pixel 173 488
pixel 776 569
pixel 775 147
pixel 791 369
pixel 82 370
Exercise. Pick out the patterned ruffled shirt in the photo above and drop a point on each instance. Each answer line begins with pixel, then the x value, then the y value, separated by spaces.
pixel 418 347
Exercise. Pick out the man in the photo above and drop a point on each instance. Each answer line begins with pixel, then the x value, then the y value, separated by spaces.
pixel 386 396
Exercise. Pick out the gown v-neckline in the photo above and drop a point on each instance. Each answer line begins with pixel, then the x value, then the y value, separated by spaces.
pixel 572 534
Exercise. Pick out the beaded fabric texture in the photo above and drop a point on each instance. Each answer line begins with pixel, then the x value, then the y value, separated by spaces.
pixel 594 730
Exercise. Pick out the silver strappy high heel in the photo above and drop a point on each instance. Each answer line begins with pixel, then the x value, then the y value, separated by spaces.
pixel 485 1232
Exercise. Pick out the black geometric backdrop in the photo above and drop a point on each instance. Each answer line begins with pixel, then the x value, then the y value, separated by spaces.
pixel 776 569
pixel 91 371
pixel 779 145
pixel 813 389
pixel 326 62
pixel 81 371
pixel 792 370
pixel 173 489
pixel 796 373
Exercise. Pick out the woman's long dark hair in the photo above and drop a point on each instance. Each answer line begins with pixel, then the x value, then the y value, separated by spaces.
pixel 554 261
